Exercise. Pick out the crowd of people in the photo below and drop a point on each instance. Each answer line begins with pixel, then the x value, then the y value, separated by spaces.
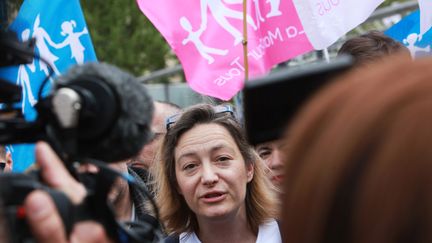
pixel 352 166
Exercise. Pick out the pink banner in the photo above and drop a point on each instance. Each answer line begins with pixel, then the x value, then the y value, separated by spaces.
pixel 207 37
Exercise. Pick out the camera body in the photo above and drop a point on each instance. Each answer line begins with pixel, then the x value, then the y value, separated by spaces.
pixel 281 95
pixel 13 191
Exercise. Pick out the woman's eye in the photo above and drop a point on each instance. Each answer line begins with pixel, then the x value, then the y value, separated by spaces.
pixel 223 158
pixel 189 166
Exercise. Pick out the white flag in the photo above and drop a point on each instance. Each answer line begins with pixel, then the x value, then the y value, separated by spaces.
pixel 425 15
pixel 326 21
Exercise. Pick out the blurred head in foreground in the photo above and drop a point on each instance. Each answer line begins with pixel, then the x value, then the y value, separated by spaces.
pixel 360 164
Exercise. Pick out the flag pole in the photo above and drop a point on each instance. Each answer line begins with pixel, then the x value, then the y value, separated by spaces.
pixel 245 41
pixel 238 99
pixel 326 55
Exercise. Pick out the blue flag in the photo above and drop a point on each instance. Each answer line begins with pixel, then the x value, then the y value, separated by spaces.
pixel 407 31
pixel 62 40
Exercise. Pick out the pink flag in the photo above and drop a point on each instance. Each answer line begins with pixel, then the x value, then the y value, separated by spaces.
pixel 207 37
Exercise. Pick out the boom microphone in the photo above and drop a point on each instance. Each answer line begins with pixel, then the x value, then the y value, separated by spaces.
pixel 109 110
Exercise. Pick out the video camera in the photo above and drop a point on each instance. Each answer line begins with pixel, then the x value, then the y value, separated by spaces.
pixel 280 96
pixel 87 117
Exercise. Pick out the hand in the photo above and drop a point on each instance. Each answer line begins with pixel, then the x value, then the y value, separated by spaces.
pixel 55 175
pixel 42 215
pixel 47 226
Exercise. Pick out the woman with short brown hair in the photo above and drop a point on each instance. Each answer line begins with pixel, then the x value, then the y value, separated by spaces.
pixel 211 185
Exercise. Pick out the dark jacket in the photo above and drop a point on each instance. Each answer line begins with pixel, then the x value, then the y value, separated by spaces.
pixel 138 197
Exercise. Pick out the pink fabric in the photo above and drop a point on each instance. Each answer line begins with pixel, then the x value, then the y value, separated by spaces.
pixel 218 70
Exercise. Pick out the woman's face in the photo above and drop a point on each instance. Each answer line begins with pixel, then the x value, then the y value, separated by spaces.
pixel 211 172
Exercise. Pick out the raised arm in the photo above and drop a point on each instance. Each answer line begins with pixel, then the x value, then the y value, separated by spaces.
pixel 84 31
pixel 45 36
pixel 204 5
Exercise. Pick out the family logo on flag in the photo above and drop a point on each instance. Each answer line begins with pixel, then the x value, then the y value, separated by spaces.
pixel 207 39
pixel 71 40
pixel 409 32
pixel 61 40
pixel 412 41
pixel 46 48
pixel 222 14
pixel 206 35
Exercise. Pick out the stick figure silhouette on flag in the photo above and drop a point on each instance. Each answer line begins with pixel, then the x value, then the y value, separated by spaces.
pixel 62 40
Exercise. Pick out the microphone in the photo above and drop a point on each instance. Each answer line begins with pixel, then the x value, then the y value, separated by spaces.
pixel 107 109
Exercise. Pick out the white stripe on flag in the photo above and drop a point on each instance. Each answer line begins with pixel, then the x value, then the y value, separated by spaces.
pixel 425 15
pixel 326 21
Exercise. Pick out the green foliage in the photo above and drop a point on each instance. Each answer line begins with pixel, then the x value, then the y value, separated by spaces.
pixel 123 36
pixel 12 9
pixel 390 2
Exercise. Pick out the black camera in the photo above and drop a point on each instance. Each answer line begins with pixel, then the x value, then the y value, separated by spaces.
pixel 95 113
pixel 14 189
pixel 281 95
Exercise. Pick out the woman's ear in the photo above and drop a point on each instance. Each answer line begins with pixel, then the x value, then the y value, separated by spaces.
pixel 9 162
pixel 250 172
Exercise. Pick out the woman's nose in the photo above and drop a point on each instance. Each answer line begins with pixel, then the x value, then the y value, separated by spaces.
pixel 209 175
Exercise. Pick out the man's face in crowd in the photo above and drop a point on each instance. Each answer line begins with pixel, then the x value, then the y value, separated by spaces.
pixel 147 155
pixel 271 153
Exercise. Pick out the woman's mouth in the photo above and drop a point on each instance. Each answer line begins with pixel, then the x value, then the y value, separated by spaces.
pixel 213 197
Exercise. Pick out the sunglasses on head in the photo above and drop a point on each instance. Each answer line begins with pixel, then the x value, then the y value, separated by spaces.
pixel 170 121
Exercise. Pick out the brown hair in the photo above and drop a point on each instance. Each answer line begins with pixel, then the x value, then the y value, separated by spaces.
pixel 174 212
pixel 371 46
pixel 2 152
pixel 360 164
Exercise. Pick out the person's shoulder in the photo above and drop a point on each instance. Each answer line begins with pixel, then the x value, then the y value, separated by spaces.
pixel 269 231
pixel 185 237
pixel 172 239
pixel 271 223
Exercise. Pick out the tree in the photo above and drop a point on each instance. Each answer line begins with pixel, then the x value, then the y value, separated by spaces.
pixel 12 7
pixel 123 36
pixel 390 2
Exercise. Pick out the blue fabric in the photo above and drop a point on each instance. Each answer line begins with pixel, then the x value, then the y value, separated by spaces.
pixel 407 32
pixel 62 39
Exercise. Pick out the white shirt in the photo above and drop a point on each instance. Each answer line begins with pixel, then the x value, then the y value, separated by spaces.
pixel 267 233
